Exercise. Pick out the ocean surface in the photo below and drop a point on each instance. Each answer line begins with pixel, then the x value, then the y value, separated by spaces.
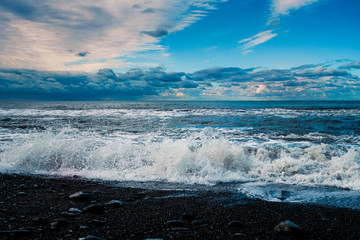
pixel 277 151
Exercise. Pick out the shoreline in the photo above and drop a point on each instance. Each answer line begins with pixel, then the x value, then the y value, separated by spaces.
pixel 35 207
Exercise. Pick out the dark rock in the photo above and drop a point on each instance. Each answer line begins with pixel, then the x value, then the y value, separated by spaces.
pixel 59 224
pixel 22 194
pixel 16 234
pixel 75 210
pixel 98 222
pixel 288 227
pixel 90 237
pixel 140 195
pixel 82 196
pixel 41 221
pixel 235 224
pixel 179 229
pixel 197 222
pixel 175 223
pixel 94 208
pixel 98 192
pixel 116 203
pixel 68 214
pixel 23 187
pixel 187 217
pixel 284 195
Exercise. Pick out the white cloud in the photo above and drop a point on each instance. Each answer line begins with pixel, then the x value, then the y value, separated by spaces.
pixel 261 37
pixel 47 35
pixel 283 7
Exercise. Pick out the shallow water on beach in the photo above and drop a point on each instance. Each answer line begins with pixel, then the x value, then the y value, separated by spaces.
pixel 278 151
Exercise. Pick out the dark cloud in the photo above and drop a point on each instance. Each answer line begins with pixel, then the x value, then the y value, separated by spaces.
pixel 158 33
pixel 149 10
pixel 353 65
pixel 19 8
pixel 218 73
pixel 306 66
pixel 82 53
pixel 136 6
pixel 157 83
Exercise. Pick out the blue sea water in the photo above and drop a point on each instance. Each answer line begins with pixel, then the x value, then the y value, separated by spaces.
pixel 278 151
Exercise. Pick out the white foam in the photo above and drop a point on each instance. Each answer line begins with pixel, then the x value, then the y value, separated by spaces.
pixel 204 157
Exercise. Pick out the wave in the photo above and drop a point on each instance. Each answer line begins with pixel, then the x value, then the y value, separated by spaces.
pixel 276 112
pixel 205 157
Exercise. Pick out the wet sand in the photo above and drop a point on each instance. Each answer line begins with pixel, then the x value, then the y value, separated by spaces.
pixel 35 207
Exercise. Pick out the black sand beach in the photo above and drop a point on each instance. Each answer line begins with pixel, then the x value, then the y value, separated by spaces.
pixel 34 207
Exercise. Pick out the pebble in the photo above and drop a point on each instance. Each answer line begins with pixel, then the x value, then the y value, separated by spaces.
pixel 75 210
pixel 175 223
pixel 68 214
pixel 187 217
pixel 287 227
pixel 179 229
pixel 16 234
pixel 41 221
pixel 98 222
pixel 90 237
pixel 197 222
pixel 116 203
pixel 21 193
pixel 82 196
pixel 94 208
pixel 59 224
pixel 235 224
pixel 23 187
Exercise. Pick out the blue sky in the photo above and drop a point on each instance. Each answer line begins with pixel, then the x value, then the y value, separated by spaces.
pixel 180 50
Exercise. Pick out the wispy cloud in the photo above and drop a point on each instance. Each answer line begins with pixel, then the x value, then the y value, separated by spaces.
pixel 56 35
pixel 278 9
pixel 283 7
pixel 261 37
pixel 352 65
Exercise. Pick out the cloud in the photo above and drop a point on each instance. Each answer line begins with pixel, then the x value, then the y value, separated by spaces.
pixel 82 53
pixel 158 33
pixel 283 7
pixel 278 8
pixel 261 37
pixel 217 83
pixel 57 33
pixel 353 65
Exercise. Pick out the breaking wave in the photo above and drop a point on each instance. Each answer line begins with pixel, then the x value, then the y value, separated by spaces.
pixel 203 157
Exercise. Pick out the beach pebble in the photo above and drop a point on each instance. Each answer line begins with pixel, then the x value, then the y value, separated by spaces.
pixel 175 223
pixel 197 222
pixel 98 222
pixel 187 217
pixel 90 237
pixel 68 214
pixel 287 227
pixel 75 210
pixel 59 224
pixel 23 187
pixel 16 234
pixel 116 203
pixel 179 229
pixel 41 221
pixel 82 196
pixel 94 208
pixel 235 224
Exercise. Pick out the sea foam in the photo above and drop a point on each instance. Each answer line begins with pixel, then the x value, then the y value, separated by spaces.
pixel 202 157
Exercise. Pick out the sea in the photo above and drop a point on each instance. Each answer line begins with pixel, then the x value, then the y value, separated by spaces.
pixel 289 151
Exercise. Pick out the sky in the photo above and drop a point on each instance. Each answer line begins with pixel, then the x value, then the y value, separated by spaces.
pixel 180 50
